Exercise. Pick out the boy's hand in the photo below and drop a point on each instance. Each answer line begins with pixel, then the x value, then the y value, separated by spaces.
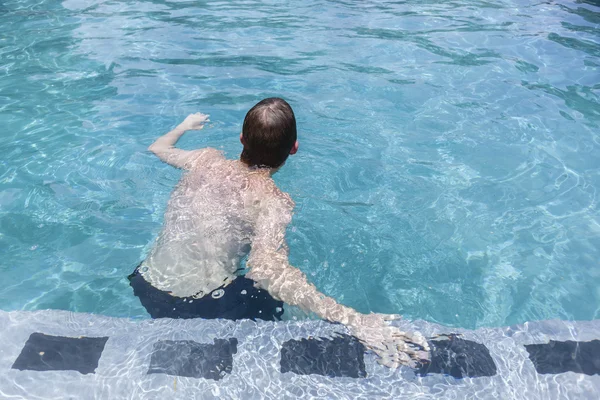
pixel 393 346
pixel 194 122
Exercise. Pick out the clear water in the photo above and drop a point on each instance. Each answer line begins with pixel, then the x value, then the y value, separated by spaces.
pixel 448 165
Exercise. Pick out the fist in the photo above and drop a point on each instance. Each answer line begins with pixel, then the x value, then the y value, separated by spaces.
pixel 194 121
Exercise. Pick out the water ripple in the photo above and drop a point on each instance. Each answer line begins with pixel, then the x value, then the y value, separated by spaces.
pixel 449 150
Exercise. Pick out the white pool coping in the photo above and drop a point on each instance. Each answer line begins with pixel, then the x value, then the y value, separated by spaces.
pixel 122 368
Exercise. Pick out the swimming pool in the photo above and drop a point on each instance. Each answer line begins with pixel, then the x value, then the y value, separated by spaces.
pixel 447 169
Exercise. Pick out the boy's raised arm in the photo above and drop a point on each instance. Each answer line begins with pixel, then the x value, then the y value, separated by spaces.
pixel 270 268
pixel 164 147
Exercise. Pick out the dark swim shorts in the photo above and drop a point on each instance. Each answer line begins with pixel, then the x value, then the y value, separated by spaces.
pixel 238 300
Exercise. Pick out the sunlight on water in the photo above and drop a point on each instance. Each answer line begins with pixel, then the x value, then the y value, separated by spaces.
pixel 447 170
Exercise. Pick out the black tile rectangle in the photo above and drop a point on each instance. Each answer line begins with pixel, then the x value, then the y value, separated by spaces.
pixel 58 353
pixel 193 359
pixel 558 357
pixel 459 358
pixel 342 356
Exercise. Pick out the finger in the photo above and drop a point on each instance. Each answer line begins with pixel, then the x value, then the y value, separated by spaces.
pixel 423 356
pixel 392 317
pixel 419 341
pixel 389 363
pixel 410 352
pixel 413 340
pixel 412 348
pixel 377 349
pixel 419 356
pixel 390 360
pixel 401 336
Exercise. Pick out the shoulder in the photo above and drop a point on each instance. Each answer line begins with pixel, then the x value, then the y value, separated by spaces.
pixel 285 199
pixel 273 209
pixel 203 157
pixel 277 202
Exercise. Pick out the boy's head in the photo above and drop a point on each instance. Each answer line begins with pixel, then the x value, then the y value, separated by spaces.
pixel 269 134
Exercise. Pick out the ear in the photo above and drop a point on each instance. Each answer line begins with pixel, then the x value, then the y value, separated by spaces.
pixel 242 139
pixel 295 148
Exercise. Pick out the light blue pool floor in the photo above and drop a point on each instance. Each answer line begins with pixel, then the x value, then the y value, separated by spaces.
pixel 448 162
pixel 59 354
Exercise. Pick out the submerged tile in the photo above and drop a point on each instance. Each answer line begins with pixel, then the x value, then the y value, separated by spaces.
pixel 58 353
pixel 569 356
pixel 337 357
pixel 459 358
pixel 193 359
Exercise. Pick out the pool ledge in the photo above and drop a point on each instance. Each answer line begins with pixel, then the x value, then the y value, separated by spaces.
pixel 59 354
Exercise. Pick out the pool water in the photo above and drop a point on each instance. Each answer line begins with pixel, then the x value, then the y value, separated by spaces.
pixel 449 151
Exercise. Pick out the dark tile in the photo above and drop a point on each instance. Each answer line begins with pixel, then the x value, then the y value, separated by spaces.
pixel 557 357
pixel 340 356
pixel 459 358
pixel 193 359
pixel 58 353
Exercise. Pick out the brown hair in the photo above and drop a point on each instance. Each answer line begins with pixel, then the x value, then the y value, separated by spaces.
pixel 269 133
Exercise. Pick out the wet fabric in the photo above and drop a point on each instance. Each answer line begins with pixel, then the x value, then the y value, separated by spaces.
pixel 238 300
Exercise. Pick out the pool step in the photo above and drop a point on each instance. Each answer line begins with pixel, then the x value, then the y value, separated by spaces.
pixel 59 354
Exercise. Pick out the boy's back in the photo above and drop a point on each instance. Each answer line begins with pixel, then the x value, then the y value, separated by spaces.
pixel 210 222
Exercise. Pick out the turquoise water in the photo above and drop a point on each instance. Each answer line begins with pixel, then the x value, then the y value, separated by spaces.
pixel 448 162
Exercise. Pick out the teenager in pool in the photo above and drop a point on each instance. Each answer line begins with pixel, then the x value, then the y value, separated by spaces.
pixel 222 210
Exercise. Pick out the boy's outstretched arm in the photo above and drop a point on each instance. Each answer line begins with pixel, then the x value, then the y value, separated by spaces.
pixel 164 146
pixel 270 268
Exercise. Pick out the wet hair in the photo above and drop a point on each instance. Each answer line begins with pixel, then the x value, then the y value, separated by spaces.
pixel 269 133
